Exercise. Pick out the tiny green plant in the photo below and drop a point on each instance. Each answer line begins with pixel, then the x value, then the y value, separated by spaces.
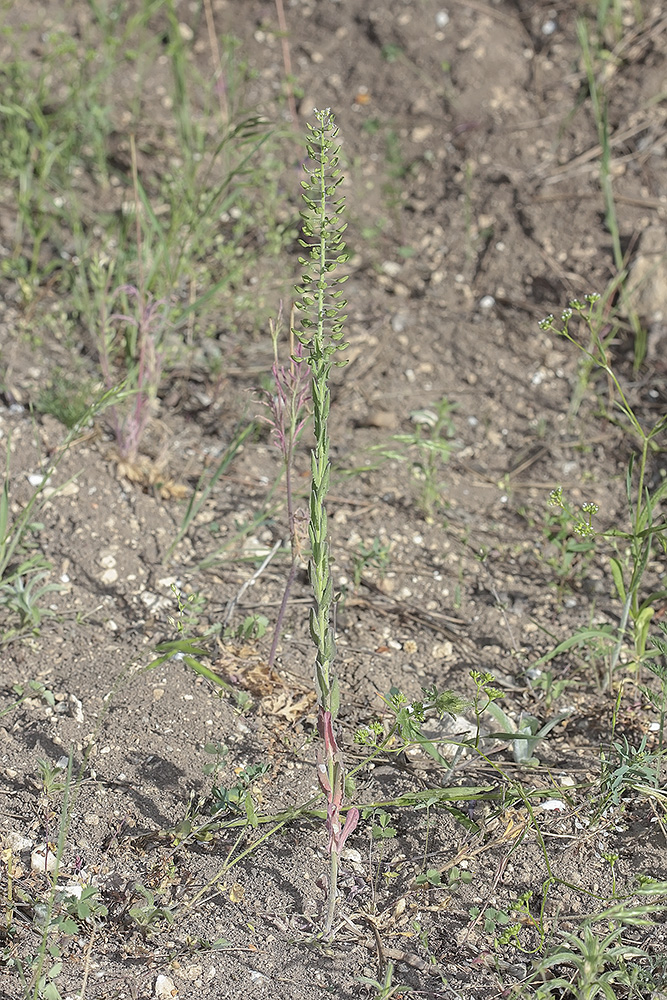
pixel 524 735
pixel 569 551
pixel 382 832
pixel 238 798
pixel 252 627
pixel 78 905
pixel 384 990
pixel 376 555
pixel 548 685
pixel 65 398
pixel 321 306
pixel 627 767
pixel 219 752
pixel 23 596
pixel 405 729
pixel 426 450
pixel 32 689
pixel 45 967
pixel 147 913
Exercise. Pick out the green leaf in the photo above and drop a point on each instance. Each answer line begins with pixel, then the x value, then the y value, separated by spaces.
pixel 617 574
pixel 250 811
pixel 580 638
pixel 68 926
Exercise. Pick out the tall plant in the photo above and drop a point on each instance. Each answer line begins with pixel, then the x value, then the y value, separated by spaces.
pixel 321 304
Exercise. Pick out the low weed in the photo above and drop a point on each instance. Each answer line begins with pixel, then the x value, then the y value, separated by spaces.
pixel 374 555
pixel 632 550
pixel 626 768
pixel 23 598
pixel 383 990
pixel 568 555
pixel 146 912
pixel 597 960
pixel 65 398
pixel 37 973
pixel 426 450
pixel 31 689
pixel 523 736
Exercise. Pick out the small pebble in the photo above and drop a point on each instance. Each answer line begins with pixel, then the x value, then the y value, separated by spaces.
pixel 399 321
pixel 17 842
pixel 164 987
pixel 553 805
pixel 391 267
pixel 43 860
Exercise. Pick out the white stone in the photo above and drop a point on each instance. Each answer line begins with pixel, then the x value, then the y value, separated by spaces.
pixel 553 805
pixel 391 267
pixel 17 842
pixel 43 860
pixel 164 987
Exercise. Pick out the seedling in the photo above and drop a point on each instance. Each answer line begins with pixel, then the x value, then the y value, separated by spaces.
pixel 148 914
pixel 526 735
pixel 384 990
pixel 23 596
pixel 628 767
pixel 67 399
pixel 426 450
pixel 573 548
pixel 238 798
pixel 408 720
pixel 252 627
pixel 375 555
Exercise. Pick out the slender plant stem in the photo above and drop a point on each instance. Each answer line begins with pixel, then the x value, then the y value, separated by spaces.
pixel 321 304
